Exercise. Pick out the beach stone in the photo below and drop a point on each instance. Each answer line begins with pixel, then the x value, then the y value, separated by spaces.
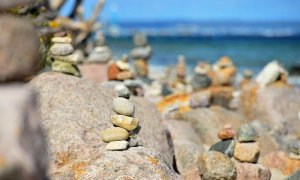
pixel 246 133
pixel 200 99
pixel 246 152
pixel 114 134
pixel 101 54
pixel 141 67
pixel 64 67
pixel 123 75
pixel 62 40
pixel 74 112
pixel 226 133
pixel 141 53
pixel 249 171
pixel 294 156
pixel 140 39
pixel 215 165
pixel 226 147
pixel 294 176
pixel 23 149
pixel 294 147
pixel 72 58
pixel 112 71
pixel 187 146
pixel 124 92
pixel 123 106
pixel 61 49
pixel 208 121
pixel 280 160
pixel 117 146
pixel 126 122
pixel 222 95
pixel 19 44
pixel 122 65
pixel 200 81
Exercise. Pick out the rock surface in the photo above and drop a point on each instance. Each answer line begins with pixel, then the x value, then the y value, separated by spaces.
pixel 215 165
pixel 94 72
pixel 208 121
pixel 246 152
pixel 19 47
pixel 280 160
pixel 187 146
pixel 248 171
pixel 23 150
pixel 75 111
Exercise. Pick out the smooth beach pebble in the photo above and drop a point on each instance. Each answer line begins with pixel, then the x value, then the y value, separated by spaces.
pixel 133 142
pixel 66 40
pixel 124 92
pixel 126 122
pixel 246 152
pixel 226 134
pixel 117 146
pixel 61 49
pixel 123 106
pixel 114 134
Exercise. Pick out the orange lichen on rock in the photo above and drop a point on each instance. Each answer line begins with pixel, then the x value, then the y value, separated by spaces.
pixel 152 160
pixel 181 99
pixel 78 169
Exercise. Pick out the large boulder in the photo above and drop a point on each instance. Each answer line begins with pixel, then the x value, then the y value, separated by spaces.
pixel 19 49
pixel 75 111
pixel 207 122
pixel 187 146
pixel 277 106
pixel 134 163
pixel 23 150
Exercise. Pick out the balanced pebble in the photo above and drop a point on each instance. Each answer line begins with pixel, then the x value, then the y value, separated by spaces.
pixel 123 106
pixel 133 142
pixel 126 122
pixel 117 146
pixel 72 58
pixel 246 133
pixel 114 134
pixel 124 92
pixel 61 49
pixel 246 152
pixel 66 40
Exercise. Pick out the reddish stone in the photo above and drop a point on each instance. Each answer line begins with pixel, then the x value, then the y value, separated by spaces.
pixel 94 72
pixel 226 133
pixel 112 72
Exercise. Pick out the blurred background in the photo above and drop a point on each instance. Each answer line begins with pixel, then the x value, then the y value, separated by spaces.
pixel 250 32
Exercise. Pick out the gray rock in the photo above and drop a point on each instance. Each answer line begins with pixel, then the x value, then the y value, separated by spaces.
pixel 141 52
pixel 200 81
pixel 74 111
pixel 215 165
pixel 294 147
pixel 6 4
pixel 187 145
pixel 101 54
pixel 226 147
pixel 133 142
pixel 140 39
pixel 123 106
pixel 19 55
pixel 59 49
pixel 23 150
pixel 294 176
pixel 246 133
pixel 124 92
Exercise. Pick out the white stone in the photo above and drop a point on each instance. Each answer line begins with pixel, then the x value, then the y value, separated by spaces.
pixel 117 146
pixel 64 40
pixel 123 106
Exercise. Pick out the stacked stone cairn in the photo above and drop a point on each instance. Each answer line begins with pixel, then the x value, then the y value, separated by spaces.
pixel 200 79
pixel 224 72
pixel 101 53
pixel 226 145
pixel 180 69
pixel 122 134
pixel 120 70
pixel 140 55
pixel 246 149
pixel 62 55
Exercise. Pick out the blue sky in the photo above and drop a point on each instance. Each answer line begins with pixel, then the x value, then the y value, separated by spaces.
pixel 199 10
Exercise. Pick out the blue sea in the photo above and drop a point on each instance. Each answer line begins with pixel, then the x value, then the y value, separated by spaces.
pixel 249 45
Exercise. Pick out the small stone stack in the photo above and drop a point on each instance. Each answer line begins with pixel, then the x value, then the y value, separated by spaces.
pixel 180 69
pixel 120 70
pixel 200 79
pixel 101 53
pixel 140 55
pixel 62 55
pixel 124 124
pixel 226 145
pixel 246 149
